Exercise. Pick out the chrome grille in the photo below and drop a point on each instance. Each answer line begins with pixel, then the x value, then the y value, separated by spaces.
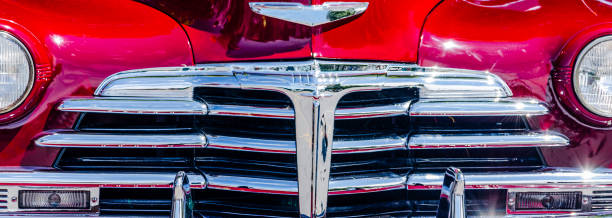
pixel 601 200
pixel 243 127
pixel 3 199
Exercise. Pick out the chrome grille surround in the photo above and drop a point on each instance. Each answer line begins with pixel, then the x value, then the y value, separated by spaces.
pixel 314 87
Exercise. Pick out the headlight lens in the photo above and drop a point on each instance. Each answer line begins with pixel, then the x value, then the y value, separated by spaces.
pixel 16 72
pixel 593 76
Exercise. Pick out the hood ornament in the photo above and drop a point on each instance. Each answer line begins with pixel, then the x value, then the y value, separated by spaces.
pixel 309 15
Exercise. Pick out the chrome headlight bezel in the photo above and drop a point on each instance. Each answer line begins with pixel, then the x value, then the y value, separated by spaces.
pixel 31 74
pixel 576 74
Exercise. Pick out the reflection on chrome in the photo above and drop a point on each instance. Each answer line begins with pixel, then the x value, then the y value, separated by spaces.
pixel 182 205
pixel 490 140
pixel 452 196
pixel 478 107
pixel 85 139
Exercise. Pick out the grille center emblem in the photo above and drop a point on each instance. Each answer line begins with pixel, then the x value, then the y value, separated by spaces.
pixel 309 15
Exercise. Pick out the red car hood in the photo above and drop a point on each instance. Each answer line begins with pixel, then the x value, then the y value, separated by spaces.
pixel 229 31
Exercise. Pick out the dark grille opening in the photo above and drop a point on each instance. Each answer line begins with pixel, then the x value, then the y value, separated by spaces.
pixel 135 201
pixel 478 159
pixel 397 162
pixel 134 122
pixel 231 203
pixel 483 203
pixel 372 127
pixel 470 124
pixel 601 200
pixel 248 127
pixel 260 98
pixel 378 98
pixel 247 163
pixel 124 159
pixel 390 203
pixel 222 203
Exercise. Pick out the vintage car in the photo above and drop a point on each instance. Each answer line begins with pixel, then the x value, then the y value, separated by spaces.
pixel 306 108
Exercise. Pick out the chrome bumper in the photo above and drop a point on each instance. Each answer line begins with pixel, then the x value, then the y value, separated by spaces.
pixel 553 179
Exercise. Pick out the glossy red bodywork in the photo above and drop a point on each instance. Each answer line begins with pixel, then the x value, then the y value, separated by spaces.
pixel 86 41
pixel 223 31
pixel 522 41
pixel 387 31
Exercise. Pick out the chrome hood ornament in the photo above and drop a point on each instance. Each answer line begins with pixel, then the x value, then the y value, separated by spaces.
pixel 309 15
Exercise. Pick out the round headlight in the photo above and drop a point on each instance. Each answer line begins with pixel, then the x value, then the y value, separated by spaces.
pixel 593 76
pixel 16 72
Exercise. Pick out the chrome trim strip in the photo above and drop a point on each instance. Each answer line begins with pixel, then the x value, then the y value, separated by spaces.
pixel 110 140
pixel 133 106
pixel 65 139
pixel 168 106
pixel 95 179
pixel 484 107
pixel 189 107
pixel 369 145
pixel 545 178
pixel 178 82
pixel 309 15
pixel 490 140
pixel 372 112
pixel 337 186
pixel 250 111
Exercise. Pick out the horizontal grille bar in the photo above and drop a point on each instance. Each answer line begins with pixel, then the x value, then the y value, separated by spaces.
pixel 189 107
pixel 488 107
pixel 545 178
pixel 95 179
pixel 337 186
pixel 249 144
pixel 372 112
pixel 539 179
pixel 134 106
pixel 251 111
pixel 368 145
pixel 491 140
pixel 425 108
pixel 340 145
pixel 196 140
pixel 84 139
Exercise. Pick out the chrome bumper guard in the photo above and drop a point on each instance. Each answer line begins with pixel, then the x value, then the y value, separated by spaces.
pixel 452 184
